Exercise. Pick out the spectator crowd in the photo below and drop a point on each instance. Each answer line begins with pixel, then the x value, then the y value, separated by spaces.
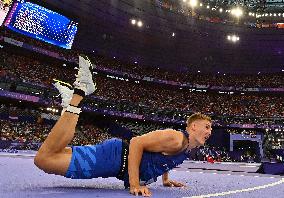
pixel 151 98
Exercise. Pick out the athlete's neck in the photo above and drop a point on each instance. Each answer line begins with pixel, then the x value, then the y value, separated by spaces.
pixel 192 143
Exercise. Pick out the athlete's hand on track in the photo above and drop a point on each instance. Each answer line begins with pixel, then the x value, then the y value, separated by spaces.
pixel 171 183
pixel 140 190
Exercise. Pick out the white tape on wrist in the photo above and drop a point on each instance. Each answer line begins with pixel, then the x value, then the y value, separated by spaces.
pixel 73 109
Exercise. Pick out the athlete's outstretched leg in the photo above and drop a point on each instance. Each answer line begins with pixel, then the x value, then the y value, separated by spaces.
pixel 54 156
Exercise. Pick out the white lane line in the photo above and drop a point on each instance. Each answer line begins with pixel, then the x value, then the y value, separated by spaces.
pixel 239 191
pixel 248 166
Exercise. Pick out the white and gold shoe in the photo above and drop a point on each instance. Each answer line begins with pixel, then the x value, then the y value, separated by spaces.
pixel 65 92
pixel 84 78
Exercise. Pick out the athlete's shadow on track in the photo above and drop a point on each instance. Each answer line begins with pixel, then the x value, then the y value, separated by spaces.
pixel 77 191
pixel 97 191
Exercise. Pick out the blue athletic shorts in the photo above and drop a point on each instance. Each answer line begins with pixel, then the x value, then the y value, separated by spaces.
pixel 102 160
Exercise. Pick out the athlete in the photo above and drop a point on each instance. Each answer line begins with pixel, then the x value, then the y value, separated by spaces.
pixel 137 163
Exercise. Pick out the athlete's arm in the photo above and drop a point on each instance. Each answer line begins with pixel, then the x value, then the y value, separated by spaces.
pixel 168 141
pixel 165 178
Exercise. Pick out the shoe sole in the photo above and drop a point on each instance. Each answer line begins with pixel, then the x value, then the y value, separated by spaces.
pixel 87 58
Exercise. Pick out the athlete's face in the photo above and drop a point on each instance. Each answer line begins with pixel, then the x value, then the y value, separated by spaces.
pixel 201 130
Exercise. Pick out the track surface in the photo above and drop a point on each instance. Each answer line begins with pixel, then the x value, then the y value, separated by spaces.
pixel 20 178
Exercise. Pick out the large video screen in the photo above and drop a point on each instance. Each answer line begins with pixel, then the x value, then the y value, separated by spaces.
pixel 4 9
pixel 38 22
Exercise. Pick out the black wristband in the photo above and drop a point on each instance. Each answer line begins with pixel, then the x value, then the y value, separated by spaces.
pixel 79 92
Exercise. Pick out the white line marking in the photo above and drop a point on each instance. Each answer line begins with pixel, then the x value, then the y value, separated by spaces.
pixel 248 166
pixel 239 191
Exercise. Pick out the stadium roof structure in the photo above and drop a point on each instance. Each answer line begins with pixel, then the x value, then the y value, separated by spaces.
pixel 106 27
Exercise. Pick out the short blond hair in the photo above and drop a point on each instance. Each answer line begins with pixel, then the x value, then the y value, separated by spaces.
pixel 197 116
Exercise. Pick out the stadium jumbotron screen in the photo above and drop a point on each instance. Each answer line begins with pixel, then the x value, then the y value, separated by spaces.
pixel 38 22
